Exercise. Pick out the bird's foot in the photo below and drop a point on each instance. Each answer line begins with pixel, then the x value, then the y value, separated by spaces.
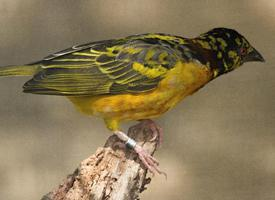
pixel 149 161
pixel 119 145
pixel 156 130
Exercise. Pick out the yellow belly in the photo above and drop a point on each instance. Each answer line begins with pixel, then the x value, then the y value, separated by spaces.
pixel 182 80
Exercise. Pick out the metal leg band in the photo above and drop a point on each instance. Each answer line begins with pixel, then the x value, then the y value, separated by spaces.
pixel 130 143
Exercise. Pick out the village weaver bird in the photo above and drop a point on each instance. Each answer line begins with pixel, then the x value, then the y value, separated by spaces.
pixel 136 78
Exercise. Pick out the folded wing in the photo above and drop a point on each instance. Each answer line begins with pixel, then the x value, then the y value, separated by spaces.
pixel 131 65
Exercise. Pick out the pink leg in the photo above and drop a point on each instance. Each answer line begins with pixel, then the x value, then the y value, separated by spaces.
pixel 149 161
pixel 153 126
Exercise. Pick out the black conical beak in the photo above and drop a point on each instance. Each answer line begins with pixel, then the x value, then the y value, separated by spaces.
pixel 254 56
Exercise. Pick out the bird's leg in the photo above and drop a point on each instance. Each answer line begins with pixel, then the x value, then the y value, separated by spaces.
pixel 153 126
pixel 149 161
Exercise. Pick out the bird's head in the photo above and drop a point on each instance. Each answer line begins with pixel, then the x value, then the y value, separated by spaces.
pixel 228 49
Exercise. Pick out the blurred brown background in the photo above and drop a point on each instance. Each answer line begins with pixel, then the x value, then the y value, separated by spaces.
pixel 219 143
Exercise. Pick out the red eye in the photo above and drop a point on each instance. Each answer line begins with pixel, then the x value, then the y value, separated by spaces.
pixel 242 51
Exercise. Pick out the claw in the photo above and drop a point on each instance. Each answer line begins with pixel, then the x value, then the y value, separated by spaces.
pixel 149 161
pixel 151 125
pixel 157 133
pixel 119 145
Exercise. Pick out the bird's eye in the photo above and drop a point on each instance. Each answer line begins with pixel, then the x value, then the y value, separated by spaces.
pixel 243 51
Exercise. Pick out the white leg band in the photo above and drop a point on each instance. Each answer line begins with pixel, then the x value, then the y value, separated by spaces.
pixel 130 143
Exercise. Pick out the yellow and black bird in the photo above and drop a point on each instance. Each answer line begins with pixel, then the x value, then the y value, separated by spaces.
pixel 136 78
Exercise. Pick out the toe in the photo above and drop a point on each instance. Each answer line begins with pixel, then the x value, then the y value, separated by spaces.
pixel 149 161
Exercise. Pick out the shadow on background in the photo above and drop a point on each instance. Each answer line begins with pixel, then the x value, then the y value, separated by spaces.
pixel 219 143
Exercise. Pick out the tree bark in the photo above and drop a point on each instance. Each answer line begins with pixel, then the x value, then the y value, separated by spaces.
pixel 114 172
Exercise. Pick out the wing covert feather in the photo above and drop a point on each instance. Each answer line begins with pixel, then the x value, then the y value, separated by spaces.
pixel 106 67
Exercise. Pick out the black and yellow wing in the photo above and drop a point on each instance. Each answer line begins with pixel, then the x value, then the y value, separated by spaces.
pixel 131 65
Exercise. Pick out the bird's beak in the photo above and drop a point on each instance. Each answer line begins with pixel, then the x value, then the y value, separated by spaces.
pixel 254 56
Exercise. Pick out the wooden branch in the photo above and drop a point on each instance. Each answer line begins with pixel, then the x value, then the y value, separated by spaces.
pixel 113 172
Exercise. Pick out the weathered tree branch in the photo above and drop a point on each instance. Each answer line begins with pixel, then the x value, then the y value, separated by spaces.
pixel 113 172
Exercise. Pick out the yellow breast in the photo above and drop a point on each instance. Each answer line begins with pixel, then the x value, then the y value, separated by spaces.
pixel 182 80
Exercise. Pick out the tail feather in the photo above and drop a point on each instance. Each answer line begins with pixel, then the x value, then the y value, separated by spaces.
pixel 23 70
